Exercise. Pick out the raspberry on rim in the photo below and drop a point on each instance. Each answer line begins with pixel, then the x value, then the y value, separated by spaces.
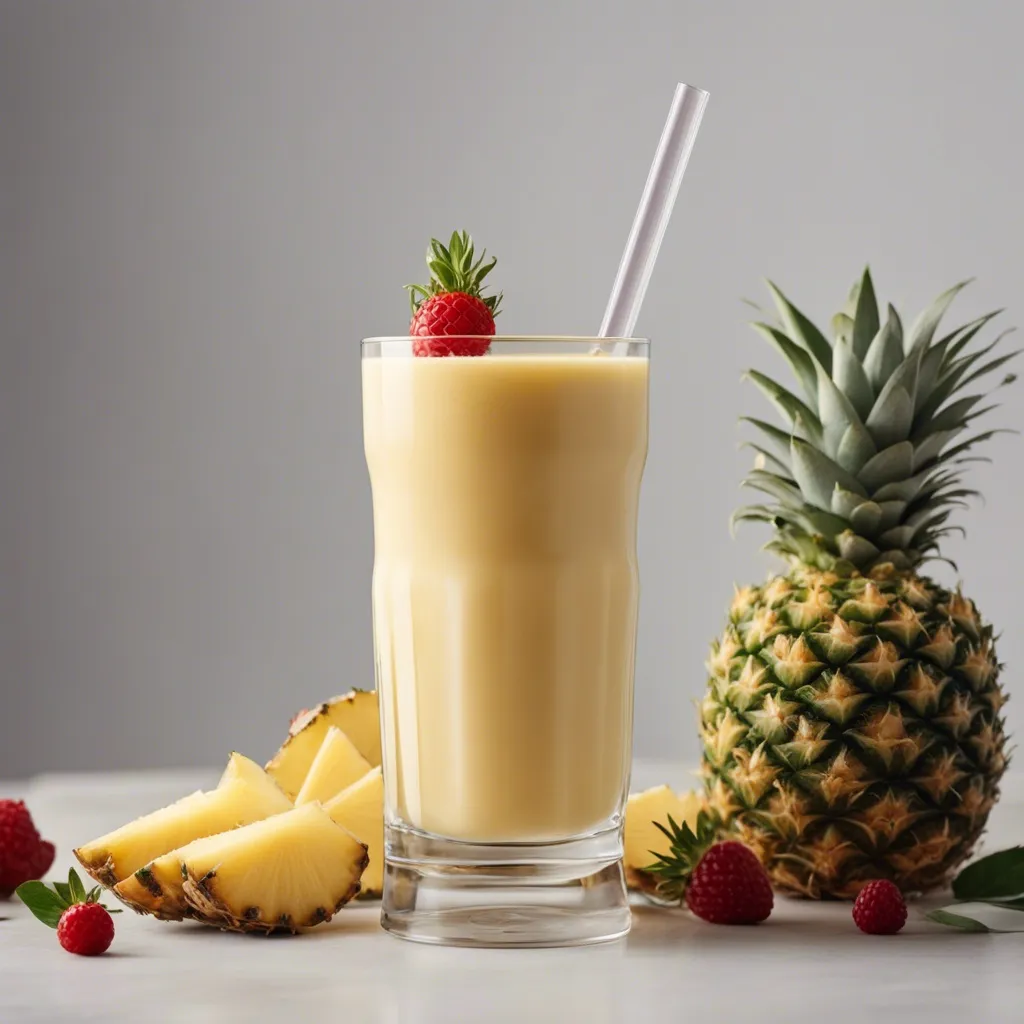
pixel 450 315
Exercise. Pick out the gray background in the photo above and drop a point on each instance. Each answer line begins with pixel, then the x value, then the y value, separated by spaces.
pixel 204 206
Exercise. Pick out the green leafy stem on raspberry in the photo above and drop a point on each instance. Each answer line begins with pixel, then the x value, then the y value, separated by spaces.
pixel 49 905
pixel 687 847
pixel 453 269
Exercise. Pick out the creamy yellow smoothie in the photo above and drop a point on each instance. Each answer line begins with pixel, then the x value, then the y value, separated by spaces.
pixel 505 587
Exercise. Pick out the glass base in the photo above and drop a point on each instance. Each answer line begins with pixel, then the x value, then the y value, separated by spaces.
pixel 452 893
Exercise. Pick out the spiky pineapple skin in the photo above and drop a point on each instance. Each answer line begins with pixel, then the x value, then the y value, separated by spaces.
pixel 852 729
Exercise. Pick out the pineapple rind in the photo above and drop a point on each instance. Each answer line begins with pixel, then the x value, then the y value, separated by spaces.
pixel 302 848
pixel 355 713
pixel 245 794
pixel 146 895
pixel 207 906
pixel 882 760
pixel 108 860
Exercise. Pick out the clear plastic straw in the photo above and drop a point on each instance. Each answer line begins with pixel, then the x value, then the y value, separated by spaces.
pixel 655 208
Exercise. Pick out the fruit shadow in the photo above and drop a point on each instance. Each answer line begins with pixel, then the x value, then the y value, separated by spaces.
pixel 341 923
pixel 801 924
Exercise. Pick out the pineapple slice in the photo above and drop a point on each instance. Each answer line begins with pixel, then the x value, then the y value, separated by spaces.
pixel 643 840
pixel 360 809
pixel 131 844
pixel 355 714
pixel 291 871
pixel 336 766
pixel 156 889
pixel 245 794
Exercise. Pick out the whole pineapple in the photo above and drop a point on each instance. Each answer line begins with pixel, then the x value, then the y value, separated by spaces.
pixel 852 725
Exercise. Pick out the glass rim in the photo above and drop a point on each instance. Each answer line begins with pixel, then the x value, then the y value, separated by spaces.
pixel 527 339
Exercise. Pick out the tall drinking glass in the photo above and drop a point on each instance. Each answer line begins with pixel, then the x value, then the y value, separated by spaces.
pixel 505 592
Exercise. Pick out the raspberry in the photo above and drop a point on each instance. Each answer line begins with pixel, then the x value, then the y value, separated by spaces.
pixel 880 908
pixel 729 886
pixel 450 315
pixel 23 855
pixel 86 929
pixel 456 315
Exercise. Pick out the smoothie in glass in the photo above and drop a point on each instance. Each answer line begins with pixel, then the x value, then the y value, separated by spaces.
pixel 505 584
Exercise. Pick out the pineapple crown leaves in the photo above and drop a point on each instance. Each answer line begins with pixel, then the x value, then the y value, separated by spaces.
pixel 878 431
pixel 686 847
pixel 48 904
pixel 454 269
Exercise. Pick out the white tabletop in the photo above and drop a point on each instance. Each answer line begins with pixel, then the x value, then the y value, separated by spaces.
pixel 808 962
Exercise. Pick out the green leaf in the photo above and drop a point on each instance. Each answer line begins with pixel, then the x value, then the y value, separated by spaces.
pixel 75 886
pixel 954 372
pixel 815 520
pixel 765 457
pixel 752 514
pixel 866 517
pixel 891 512
pixel 964 446
pixel 982 916
pixel 762 312
pixel 897 537
pixel 997 875
pixel 780 488
pixel 923 329
pixel 845 503
pixel 797 412
pixel 930 448
pixel 893 463
pixel 850 378
pixel 444 273
pixel 966 332
pixel 892 417
pixel 780 438
pixel 835 412
pixel 858 550
pixel 885 353
pixel 954 920
pixel 842 330
pixel 800 362
pixel 46 904
pixel 993 364
pixel 64 892
pixel 855 448
pixel 800 328
pixel 865 319
pixel 931 364
pixel 818 476
pixel 954 415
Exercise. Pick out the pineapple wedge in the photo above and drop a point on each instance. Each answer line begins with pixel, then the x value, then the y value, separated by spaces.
pixel 355 714
pixel 291 871
pixel 360 809
pixel 156 889
pixel 643 839
pixel 111 857
pixel 336 766
pixel 245 794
